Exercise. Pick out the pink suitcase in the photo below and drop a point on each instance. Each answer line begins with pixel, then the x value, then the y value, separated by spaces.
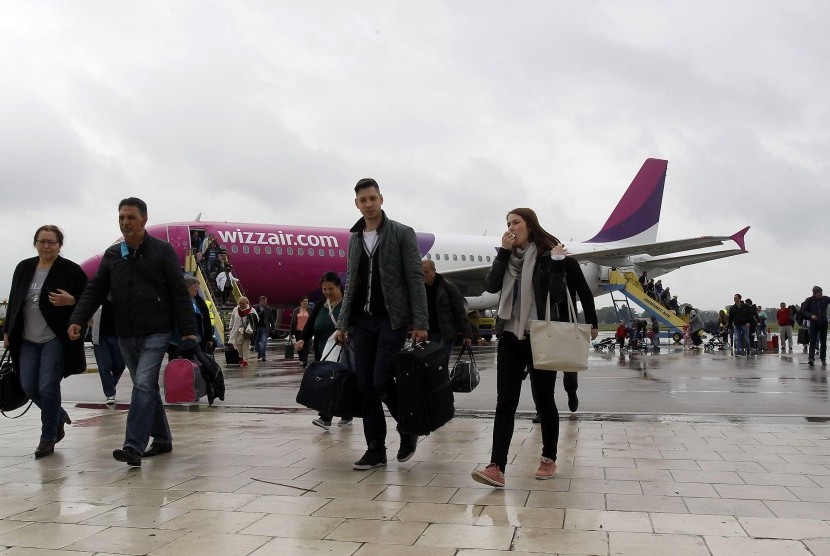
pixel 183 381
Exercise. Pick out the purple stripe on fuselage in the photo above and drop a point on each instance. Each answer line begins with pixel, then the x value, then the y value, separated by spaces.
pixel 425 242
pixel 639 208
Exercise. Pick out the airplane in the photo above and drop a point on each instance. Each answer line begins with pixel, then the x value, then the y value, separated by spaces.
pixel 285 263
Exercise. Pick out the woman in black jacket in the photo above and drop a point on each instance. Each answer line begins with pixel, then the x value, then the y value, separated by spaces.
pixel 43 293
pixel 530 265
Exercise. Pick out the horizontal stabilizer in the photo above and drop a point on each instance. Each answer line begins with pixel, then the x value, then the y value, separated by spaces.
pixel 673 263
pixel 601 255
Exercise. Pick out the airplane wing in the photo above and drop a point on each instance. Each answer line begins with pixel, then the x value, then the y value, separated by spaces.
pixel 662 266
pixel 470 280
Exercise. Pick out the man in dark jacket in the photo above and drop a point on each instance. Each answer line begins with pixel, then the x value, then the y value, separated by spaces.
pixel 740 320
pixel 265 323
pixel 447 318
pixel 148 294
pixel 814 309
pixel 380 302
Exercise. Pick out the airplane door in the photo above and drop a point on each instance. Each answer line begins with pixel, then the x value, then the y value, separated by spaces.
pixel 179 238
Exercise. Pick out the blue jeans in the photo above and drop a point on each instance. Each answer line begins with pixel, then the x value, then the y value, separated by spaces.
pixel 740 336
pixel 110 363
pixel 818 335
pixel 41 372
pixel 374 344
pixel 261 341
pixel 143 356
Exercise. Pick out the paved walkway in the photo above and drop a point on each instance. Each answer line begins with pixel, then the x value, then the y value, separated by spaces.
pixel 243 483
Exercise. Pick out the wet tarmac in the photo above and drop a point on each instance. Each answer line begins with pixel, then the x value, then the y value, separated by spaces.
pixel 672 382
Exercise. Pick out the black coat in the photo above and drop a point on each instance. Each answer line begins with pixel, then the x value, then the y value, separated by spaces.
pixel 549 276
pixel 65 275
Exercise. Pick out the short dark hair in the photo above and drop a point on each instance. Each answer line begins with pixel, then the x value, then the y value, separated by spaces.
pixel 332 277
pixel 366 183
pixel 49 228
pixel 134 202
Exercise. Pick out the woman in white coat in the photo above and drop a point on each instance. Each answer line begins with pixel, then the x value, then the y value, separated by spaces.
pixel 243 327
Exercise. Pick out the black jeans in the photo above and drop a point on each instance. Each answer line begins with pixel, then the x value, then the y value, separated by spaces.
pixel 374 344
pixel 818 335
pixel 514 362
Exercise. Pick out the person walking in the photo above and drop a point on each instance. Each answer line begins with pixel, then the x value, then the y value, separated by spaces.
pixel 447 318
pixel 380 303
pixel 531 267
pixel 740 315
pixel 144 277
pixel 814 309
pixel 44 289
pixel 242 329
pixel 265 318
pixel 107 353
pixel 785 327
pixel 321 326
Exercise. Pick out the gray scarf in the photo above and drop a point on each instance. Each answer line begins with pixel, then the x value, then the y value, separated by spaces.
pixel 521 263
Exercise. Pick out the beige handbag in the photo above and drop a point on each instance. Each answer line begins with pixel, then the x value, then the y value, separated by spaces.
pixel 560 346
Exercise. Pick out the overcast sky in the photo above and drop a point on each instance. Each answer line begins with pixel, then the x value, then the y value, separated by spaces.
pixel 270 112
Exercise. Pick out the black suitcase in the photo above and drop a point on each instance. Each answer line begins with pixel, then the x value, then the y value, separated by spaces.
pixel 289 350
pixel 425 398
pixel 804 335
pixel 231 355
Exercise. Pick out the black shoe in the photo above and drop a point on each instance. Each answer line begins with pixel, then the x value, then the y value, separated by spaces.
pixel 810 362
pixel 128 456
pixel 62 430
pixel 45 448
pixel 573 401
pixel 536 418
pixel 157 449
pixel 823 362
pixel 409 443
pixel 372 458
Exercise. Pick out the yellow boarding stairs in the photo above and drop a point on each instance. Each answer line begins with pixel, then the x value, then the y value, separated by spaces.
pixel 629 284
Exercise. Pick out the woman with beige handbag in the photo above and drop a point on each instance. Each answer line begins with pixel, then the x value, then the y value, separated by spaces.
pixel 530 268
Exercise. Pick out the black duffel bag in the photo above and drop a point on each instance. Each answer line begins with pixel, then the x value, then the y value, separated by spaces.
pixel 330 387
pixel 12 395
pixel 464 376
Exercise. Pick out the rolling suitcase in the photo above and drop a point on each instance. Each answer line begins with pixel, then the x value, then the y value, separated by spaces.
pixel 183 381
pixel 231 355
pixel 425 398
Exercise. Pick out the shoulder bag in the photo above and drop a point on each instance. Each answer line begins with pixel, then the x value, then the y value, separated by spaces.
pixel 464 376
pixel 560 346
pixel 12 395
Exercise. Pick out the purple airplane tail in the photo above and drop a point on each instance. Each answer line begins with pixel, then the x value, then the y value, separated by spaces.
pixel 638 212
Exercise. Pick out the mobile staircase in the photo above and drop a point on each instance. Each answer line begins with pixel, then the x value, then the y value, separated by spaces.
pixel 628 283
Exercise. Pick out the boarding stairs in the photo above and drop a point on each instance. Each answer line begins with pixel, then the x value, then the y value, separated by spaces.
pixel 628 283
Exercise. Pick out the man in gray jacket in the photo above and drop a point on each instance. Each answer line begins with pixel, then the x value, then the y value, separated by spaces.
pixel 143 275
pixel 384 295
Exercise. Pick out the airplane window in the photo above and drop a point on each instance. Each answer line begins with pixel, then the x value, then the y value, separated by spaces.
pixel 290 250
pixel 321 252
pixel 246 249
pixel 256 249
pixel 472 258
pixel 331 253
pixel 463 257
pixel 455 257
pixel 234 249
pixel 341 253
pixel 310 251
pixel 438 257
pixel 267 250
pixel 488 258
pixel 479 258
pixel 300 251
pixel 446 257
pixel 279 250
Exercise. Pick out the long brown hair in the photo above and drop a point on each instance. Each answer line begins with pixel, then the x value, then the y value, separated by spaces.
pixel 535 232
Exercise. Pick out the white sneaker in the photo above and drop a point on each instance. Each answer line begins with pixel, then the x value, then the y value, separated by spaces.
pixel 111 401
pixel 320 423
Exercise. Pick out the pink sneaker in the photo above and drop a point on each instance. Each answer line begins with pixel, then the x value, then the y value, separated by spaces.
pixel 490 475
pixel 547 469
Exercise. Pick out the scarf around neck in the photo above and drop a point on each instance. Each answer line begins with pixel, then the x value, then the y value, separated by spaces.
pixel 521 264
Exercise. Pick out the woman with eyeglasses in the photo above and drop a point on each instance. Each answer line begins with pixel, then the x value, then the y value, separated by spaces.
pixel 44 291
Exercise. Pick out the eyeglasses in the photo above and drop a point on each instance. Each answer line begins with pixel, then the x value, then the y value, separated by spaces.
pixel 49 242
